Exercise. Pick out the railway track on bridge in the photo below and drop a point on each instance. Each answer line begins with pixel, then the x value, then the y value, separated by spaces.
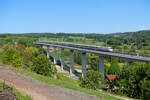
pixel 96 50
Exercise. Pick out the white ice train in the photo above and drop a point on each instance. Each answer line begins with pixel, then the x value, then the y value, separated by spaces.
pixel 91 47
pixel 101 48
pixel 108 49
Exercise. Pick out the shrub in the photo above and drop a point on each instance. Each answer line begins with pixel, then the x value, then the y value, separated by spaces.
pixel 145 90
pixel 29 55
pixel 91 79
pixel 93 62
pixel 114 68
pixel 77 57
pixel 134 81
pixel 43 66
pixel 17 61
pixel 12 57
pixel 7 56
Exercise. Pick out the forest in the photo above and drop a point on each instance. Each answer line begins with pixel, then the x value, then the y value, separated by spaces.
pixel 132 78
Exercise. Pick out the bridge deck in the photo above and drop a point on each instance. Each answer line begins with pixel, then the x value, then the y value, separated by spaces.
pixel 94 49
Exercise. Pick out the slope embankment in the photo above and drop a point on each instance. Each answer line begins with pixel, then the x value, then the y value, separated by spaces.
pixel 40 90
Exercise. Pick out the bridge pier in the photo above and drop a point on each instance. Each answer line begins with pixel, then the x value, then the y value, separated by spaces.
pixel 55 55
pixel 48 52
pixel 83 63
pixel 101 65
pixel 71 61
pixel 62 59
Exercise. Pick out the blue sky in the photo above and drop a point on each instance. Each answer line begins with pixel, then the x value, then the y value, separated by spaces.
pixel 93 16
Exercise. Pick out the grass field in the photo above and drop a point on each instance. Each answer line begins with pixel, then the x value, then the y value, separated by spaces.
pixel 19 95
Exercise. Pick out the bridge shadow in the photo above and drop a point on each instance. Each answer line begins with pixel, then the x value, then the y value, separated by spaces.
pixel 67 68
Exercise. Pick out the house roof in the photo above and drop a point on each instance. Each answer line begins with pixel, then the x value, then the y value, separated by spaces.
pixel 111 77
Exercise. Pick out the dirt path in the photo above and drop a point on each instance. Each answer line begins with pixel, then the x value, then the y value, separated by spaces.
pixel 39 90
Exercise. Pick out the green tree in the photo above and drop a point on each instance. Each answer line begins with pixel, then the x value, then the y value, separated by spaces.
pixel 133 81
pixel 93 62
pixel 17 60
pixel 29 55
pixel 114 68
pixel 42 65
pixel 27 42
pixel 77 57
pixel 12 57
pixel 145 89
pixel 91 79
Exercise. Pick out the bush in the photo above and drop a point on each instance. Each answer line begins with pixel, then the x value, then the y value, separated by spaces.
pixel 91 79
pixel 17 61
pixel 114 68
pixel 42 65
pixel 29 54
pixel 12 57
pixel 134 81
pixel 145 90
pixel 93 62
pixel 77 57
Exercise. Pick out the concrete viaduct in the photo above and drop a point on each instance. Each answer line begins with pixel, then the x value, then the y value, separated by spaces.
pixel 86 49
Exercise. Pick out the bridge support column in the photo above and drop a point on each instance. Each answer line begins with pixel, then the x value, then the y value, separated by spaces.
pixel 71 61
pixel 62 59
pixel 83 63
pixel 48 52
pixel 55 55
pixel 101 65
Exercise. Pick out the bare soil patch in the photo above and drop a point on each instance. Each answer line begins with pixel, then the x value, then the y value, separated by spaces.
pixel 7 95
